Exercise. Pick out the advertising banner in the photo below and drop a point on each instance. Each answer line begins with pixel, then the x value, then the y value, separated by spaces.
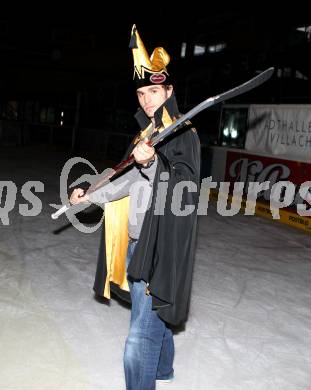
pixel 279 130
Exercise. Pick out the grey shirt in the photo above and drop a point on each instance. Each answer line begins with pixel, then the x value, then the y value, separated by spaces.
pixel 138 185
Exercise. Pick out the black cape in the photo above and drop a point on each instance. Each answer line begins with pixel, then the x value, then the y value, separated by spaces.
pixel 164 254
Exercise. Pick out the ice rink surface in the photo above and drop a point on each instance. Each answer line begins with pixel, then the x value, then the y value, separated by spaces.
pixel 249 326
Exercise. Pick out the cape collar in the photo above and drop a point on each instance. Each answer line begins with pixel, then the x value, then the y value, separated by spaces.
pixel 168 107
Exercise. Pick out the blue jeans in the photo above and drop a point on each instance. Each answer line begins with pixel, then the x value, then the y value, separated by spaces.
pixel 149 347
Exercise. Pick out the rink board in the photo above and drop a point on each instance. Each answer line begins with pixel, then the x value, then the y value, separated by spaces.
pixel 236 165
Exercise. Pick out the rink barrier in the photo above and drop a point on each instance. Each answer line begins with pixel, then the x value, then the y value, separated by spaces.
pixel 263 210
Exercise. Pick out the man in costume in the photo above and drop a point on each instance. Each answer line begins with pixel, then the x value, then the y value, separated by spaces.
pixel 147 250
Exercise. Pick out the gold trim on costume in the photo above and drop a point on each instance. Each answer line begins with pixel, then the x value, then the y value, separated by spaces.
pixel 142 135
pixel 166 119
pixel 116 237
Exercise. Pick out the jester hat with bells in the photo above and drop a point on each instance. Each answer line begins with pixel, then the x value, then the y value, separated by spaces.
pixel 148 70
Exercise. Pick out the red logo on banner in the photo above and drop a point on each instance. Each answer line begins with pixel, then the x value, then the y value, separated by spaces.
pixel 244 167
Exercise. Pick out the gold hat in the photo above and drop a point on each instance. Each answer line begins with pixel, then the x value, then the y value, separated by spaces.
pixel 148 71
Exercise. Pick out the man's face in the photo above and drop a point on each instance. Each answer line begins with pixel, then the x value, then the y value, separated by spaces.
pixel 152 97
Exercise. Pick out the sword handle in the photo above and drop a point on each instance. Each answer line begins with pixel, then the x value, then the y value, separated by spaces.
pixel 61 211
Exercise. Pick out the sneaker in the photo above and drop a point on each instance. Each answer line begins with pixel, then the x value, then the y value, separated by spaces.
pixel 165 380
